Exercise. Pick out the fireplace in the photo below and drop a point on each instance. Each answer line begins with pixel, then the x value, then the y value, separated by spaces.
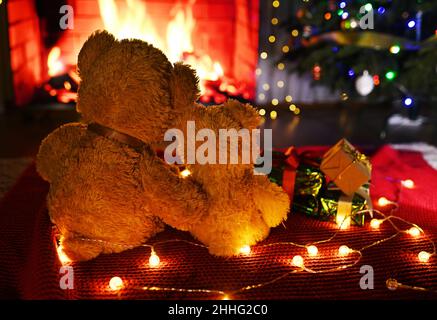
pixel 218 38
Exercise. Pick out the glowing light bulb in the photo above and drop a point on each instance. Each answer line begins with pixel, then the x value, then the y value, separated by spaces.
pixel 281 66
pixel 390 75
pixel 383 201
pixel 273 115
pixel 292 107
pixel 185 173
pixel 312 250
pixel 409 184
pixel 116 283
pixel 285 49
pixel 280 84
pixel 272 38
pixel 262 112
pixel 408 102
pixel 275 102
pixel 368 7
pixel 344 250
pixel 275 4
pixel 375 223
pixel 395 49
pixel 63 258
pixel 411 24
pixel 298 261
pixel 245 250
pixel 413 231
pixel 275 21
pixel 261 96
pixel 288 98
pixel 266 86
pixel 263 55
pixel 424 256
pixel 343 221
pixel 154 260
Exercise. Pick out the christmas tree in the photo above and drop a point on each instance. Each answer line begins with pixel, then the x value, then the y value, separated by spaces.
pixel 383 50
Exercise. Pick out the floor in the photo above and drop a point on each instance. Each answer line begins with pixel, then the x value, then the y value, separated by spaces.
pixel 21 131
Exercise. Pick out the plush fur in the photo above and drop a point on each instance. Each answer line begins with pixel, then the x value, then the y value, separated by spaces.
pixel 106 197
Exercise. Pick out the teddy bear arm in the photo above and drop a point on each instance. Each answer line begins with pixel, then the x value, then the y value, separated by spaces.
pixel 271 200
pixel 55 150
pixel 182 201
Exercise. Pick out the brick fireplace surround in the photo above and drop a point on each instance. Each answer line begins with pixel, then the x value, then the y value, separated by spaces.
pixel 227 30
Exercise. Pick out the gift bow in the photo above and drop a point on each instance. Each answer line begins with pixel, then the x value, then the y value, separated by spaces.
pixel 292 159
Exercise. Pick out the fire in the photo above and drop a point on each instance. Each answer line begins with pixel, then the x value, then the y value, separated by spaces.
pixel 131 19
pixel 54 64
pixel 135 22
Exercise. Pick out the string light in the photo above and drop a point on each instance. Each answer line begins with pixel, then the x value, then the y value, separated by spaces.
pixel 298 261
pixel 285 49
pixel 272 38
pixel 263 55
pixel 63 258
pixel 154 259
pixel 258 71
pixel 275 21
pixel 424 256
pixel 185 173
pixel 275 4
pixel 297 111
pixel 408 102
pixel 414 231
pixel 295 33
pixel 409 184
pixel 280 84
pixel 344 250
pixel 395 49
pixel 275 102
pixel 261 96
pixel 266 86
pixel 312 250
pixel 375 223
pixel 368 6
pixel 390 75
pixel 116 283
pixel 245 250
pixel 262 112
pixel 383 201
pixel 273 115
pixel 327 16
pixel 292 107
pixel 281 66
pixel 288 98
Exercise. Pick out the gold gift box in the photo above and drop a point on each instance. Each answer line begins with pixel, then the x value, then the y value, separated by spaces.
pixel 346 167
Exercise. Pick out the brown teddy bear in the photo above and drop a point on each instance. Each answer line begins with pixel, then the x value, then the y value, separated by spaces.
pixel 98 196
pixel 242 206
pixel 109 191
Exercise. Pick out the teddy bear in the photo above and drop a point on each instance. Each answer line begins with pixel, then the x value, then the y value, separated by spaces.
pixel 109 191
pixel 242 206
pixel 98 196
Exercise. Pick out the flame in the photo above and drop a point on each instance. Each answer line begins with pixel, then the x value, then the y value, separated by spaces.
pixel 134 21
pixel 54 64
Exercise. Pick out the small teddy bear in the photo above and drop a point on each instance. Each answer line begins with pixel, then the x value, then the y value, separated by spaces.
pixel 242 206
pixel 98 196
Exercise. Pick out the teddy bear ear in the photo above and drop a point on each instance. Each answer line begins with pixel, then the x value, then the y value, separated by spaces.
pixel 243 113
pixel 99 42
pixel 184 86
